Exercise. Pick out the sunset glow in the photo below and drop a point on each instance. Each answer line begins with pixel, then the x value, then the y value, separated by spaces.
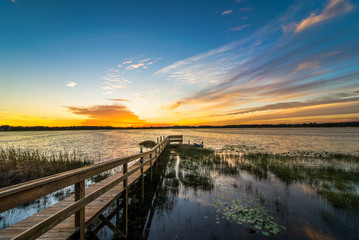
pixel 164 63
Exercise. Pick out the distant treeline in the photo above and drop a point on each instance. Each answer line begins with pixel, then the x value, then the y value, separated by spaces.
pixel 44 128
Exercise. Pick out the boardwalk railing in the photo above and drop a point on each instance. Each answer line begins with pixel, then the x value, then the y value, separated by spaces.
pixel 19 194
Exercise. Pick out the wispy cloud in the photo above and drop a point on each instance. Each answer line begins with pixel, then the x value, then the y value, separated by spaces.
pixel 293 105
pixel 241 27
pixel 306 65
pixel 138 64
pixel 71 84
pixel 118 99
pixel 227 12
pixel 246 9
pixel 334 8
pixel 116 77
pixel 259 73
pixel 135 66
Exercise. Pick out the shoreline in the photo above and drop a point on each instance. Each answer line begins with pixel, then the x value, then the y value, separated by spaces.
pixel 7 128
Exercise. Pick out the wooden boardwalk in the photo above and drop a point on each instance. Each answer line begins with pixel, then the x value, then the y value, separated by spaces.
pixel 78 211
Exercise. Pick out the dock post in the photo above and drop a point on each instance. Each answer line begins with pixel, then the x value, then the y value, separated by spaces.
pixel 125 211
pixel 157 141
pixel 80 215
pixel 142 182
pixel 189 142
pixel 151 166
pixel 141 151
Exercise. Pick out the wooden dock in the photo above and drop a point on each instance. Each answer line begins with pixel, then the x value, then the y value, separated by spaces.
pixel 75 214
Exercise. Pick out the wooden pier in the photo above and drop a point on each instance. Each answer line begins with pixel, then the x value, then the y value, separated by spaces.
pixel 75 215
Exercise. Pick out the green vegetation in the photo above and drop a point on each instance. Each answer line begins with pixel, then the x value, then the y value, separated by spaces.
pixel 248 213
pixel 147 144
pixel 332 175
pixel 17 165
pixel 189 151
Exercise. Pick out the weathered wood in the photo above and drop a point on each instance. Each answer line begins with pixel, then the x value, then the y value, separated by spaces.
pixel 61 212
pixel 110 216
pixel 113 228
pixel 125 211
pixel 151 166
pixel 142 182
pixel 22 193
pixel 80 215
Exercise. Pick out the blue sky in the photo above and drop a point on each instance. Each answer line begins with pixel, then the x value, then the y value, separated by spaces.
pixel 125 63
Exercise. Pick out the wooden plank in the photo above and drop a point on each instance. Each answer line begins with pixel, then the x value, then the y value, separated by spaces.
pixel 23 193
pixel 95 206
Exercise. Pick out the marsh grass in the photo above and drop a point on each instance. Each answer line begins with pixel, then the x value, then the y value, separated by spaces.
pixel 18 165
pixel 191 152
pixel 332 175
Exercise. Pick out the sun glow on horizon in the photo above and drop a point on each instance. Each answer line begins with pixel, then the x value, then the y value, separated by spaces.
pixel 295 63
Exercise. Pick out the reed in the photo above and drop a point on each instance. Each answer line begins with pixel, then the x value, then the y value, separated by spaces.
pixel 19 165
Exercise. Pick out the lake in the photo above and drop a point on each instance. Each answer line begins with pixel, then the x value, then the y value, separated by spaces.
pixel 257 184
pixel 102 145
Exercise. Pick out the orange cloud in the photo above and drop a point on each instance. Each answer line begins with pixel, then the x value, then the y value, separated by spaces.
pixel 108 115
pixel 334 8
pixel 333 112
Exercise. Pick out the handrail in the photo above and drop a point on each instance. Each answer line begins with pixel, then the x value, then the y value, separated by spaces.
pixel 58 217
pixel 16 195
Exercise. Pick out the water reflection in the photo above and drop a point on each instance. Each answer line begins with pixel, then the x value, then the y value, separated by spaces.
pixel 200 194
pixel 240 192
pixel 100 145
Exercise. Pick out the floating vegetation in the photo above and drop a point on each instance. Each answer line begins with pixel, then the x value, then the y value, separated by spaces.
pixel 147 144
pixel 248 213
pixel 17 165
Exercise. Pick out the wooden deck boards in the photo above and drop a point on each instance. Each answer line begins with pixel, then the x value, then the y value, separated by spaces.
pixel 66 228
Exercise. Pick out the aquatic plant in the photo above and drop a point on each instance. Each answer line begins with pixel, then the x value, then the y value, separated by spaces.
pixel 248 213
pixel 18 165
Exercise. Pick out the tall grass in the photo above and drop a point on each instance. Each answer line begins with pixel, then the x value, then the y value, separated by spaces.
pixel 19 165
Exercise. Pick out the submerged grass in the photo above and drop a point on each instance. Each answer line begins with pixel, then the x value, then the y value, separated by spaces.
pixel 18 165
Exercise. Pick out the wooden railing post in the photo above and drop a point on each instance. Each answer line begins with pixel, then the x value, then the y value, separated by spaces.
pixel 125 211
pixel 80 215
pixel 142 181
pixel 151 166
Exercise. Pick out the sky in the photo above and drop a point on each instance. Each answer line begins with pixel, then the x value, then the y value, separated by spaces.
pixel 190 62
